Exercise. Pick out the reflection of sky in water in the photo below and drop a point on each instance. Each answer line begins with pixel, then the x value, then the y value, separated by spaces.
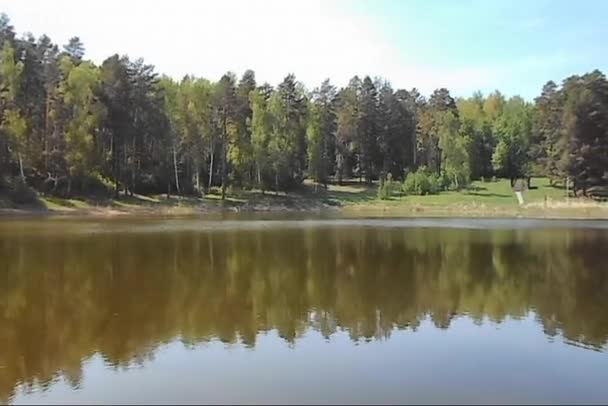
pixel 477 310
pixel 508 362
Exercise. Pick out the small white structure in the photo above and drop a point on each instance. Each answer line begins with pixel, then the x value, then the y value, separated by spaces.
pixel 519 188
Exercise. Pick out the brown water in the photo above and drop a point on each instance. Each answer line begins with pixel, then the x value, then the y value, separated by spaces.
pixel 306 311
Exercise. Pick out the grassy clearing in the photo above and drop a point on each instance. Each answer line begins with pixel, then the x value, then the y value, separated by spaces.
pixel 480 199
pixel 352 197
pixel 480 193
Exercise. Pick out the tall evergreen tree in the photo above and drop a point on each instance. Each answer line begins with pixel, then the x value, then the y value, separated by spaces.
pixel 240 147
pixel 546 131
pixel 85 117
pixel 367 140
pixel 115 90
pixel 74 49
pixel 514 130
pixel 14 123
pixel 225 110
pixel 322 133
pixel 348 128
pixel 261 132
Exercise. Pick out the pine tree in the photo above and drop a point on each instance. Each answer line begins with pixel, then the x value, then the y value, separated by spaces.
pixel 225 120
pixel 240 147
pixel 85 118
pixel 114 93
pixel 321 133
pixel 74 49
pixel 261 131
pixel 546 131
pixel 367 139
pixel 14 122
pixel 348 128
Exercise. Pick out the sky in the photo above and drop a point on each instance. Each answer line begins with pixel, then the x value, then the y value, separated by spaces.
pixel 465 45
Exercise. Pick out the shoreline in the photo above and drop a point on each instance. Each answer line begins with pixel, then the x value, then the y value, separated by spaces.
pixel 352 199
pixel 575 211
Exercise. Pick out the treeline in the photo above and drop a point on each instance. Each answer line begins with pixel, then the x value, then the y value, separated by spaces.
pixel 69 126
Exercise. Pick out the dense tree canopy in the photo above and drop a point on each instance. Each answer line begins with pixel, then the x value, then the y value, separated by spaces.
pixel 68 126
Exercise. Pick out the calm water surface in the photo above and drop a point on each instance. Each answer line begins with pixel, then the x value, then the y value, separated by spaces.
pixel 312 310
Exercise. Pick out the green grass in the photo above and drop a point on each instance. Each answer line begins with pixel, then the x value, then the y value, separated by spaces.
pixel 481 198
pixel 497 193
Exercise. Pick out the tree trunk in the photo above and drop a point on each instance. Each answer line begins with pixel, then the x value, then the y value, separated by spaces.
pixel 46 133
pixel 211 168
pixel 21 167
pixel 260 178
pixel 133 169
pixel 276 183
pixel 175 169
pixel 224 177
pixel 115 166
pixel 126 166
pixel 224 173
pixel 197 177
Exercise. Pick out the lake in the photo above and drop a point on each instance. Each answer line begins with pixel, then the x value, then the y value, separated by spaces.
pixel 312 310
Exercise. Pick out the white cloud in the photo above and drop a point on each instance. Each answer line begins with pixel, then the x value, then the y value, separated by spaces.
pixel 314 39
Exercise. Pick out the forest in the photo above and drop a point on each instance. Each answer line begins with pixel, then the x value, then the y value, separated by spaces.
pixel 71 127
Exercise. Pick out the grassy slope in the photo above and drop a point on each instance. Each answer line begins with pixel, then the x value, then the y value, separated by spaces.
pixel 482 199
pixel 490 194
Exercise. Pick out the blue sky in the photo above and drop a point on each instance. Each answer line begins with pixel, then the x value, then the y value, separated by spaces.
pixel 519 45
pixel 465 45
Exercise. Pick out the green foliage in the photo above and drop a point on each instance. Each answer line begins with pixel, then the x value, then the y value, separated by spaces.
pixel 514 130
pixel 581 151
pixel 321 133
pixel 14 123
pixel 287 107
pixel 63 118
pixel 18 192
pixel 422 182
pixel 454 147
pixel 240 149
pixel 476 127
pixel 85 114
pixel 386 188
pixel 436 184
pixel 261 127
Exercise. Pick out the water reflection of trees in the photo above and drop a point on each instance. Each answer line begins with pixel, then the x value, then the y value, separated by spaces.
pixel 63 299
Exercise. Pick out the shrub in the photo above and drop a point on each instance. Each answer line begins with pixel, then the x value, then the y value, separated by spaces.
pixel 421 182
pixel 446 182
pixel 436 184
pixel 385 188
pixel 18 192
pixel 409 184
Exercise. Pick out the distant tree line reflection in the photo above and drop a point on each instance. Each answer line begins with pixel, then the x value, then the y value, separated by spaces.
pixel 66 298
